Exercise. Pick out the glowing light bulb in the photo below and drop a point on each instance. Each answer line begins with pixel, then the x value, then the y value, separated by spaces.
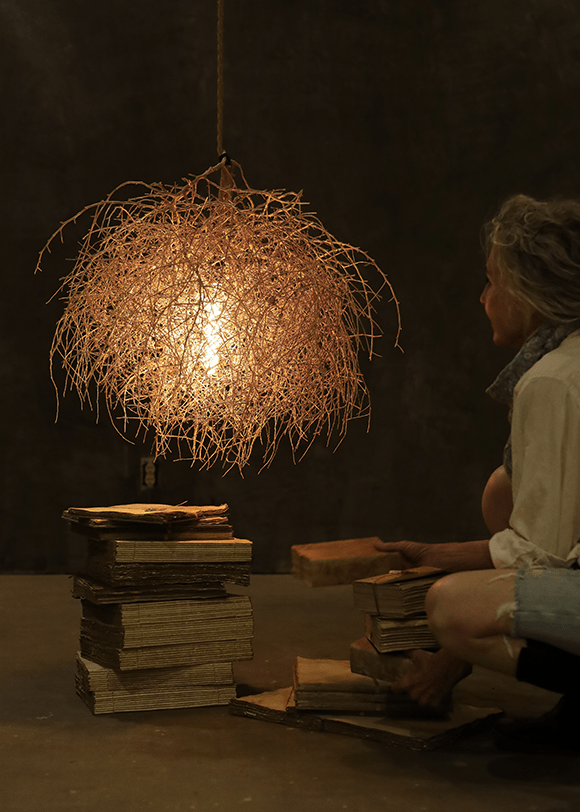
pixel 212 337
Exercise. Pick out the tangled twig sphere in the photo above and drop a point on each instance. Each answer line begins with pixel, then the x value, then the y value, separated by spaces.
pixel 216 316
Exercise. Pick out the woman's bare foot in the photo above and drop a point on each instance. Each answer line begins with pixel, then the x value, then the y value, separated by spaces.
pixel 432 677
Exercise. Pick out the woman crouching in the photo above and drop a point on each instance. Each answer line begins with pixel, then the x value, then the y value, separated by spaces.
pixel 512 602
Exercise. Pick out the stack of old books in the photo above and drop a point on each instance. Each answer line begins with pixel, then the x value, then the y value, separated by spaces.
pixel 158 629
pixel 395 621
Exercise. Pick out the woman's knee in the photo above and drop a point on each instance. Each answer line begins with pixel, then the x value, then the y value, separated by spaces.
pixel 464 605
pixel 444 603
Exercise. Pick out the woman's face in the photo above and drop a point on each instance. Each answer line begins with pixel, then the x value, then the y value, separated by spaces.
pixel 512 321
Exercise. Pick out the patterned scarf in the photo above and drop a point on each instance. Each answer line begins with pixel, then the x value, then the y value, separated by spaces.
pixel 542 341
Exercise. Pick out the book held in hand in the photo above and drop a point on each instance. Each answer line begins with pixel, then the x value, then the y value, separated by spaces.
pixel 331 563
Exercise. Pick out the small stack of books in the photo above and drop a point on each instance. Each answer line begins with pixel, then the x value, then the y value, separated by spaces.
pixel 326 696
pixel 158 628
pixel 331 685
pixel 395 620
pixel 355 697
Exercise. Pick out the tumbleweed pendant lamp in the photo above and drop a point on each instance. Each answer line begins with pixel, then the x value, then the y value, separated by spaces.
pixel 216 315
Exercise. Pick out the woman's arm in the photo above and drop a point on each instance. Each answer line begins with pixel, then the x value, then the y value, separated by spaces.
pixel 497 501
pixel 455 556
pixel 496 505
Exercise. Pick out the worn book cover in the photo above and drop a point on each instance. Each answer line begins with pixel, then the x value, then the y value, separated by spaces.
pixel 143 512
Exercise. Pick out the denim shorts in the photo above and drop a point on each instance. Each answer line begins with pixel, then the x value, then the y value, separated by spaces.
pixel 548 607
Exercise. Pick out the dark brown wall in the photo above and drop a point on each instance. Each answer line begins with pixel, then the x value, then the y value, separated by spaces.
pixel 406 122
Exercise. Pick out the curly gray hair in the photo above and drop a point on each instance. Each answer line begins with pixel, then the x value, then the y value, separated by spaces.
pixel 537 250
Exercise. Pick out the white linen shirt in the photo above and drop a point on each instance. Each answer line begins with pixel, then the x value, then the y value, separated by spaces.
pixel 544 527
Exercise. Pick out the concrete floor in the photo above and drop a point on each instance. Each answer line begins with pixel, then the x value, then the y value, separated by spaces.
pixel 55 755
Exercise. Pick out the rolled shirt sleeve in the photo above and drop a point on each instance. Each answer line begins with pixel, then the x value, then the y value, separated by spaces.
pixel 545 523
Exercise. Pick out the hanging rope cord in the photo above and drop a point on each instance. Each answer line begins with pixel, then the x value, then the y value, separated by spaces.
pixel 220 78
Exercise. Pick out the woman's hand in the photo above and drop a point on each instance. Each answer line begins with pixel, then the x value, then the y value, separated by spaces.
pixel 456 556
pixel 432 677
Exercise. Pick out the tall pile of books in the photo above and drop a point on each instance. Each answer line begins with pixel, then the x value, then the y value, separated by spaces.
pixel 395 621
pixel 158 629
